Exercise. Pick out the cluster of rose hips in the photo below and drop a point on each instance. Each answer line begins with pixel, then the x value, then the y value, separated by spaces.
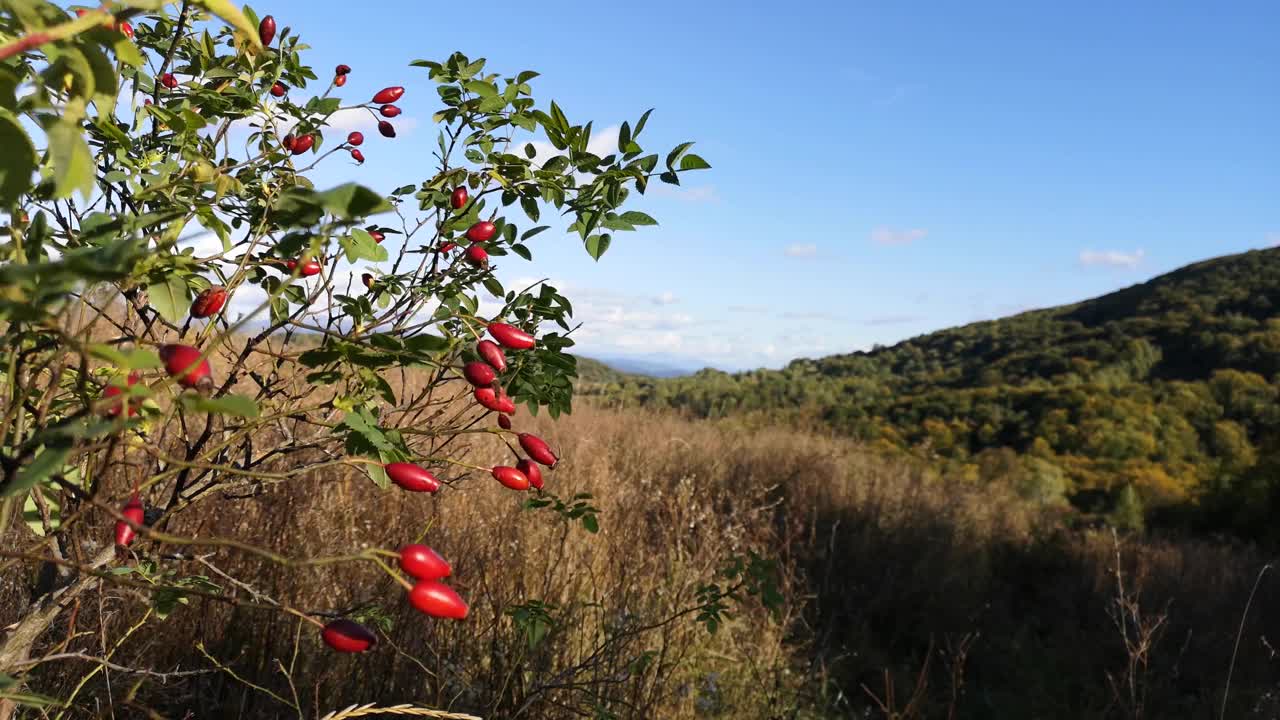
pixel 385 98
pixel 427 595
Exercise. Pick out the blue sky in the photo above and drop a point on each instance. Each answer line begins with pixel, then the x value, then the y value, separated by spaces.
pixel 880 170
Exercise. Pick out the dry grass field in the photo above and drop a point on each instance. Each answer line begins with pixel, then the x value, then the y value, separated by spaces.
pixel 905 595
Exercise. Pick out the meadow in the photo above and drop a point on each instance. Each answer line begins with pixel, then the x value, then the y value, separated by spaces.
pixel 904 594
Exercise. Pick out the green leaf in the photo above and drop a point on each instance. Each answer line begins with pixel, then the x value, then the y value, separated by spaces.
pixel 675 154
pixel 533 231
pixel 17 162
pixel 590 522
pixel 233 17
pixel 693 162
pixel 597 245
pixel 351 201
pixel 635 217
pixel 624 137
pixel 135 359
pixel 72 160
pixel 481 88
pixel 360 245
pixel 50 460
pixel 237 405
pixel 169 298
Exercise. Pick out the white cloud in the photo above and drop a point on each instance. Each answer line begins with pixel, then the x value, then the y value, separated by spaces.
pixel 902 319
pixel 666 298
pixel 1273 239
pixel 346 120
pixel 889 236
pixel 801 250
pixel 1113 258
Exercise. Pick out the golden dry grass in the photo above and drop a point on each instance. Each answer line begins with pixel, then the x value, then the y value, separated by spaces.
pixel 885 568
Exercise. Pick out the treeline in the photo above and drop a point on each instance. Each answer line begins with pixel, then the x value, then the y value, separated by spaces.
pixel 1154 404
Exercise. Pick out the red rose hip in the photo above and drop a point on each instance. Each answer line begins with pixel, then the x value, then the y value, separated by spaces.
pixel 478 256
pixel 355 138
pixel 492 354
pixel 111 391
pixel 386 129
pixel 376 234
pixel 169 81
pixel 134 513
pixel 437 600
pixel 347 636
pixel 479 374
pixel 209 302
pixel 481 231
pixel 278 90
pixel 389 111
pixel 340 80
pixel 386 96
pixel 538 449
pixel 184 363
pixel 357 156
pixel 342 70
pixel 510 336
pixel 411 477
pixel 531 471
pixel 310 268
pixel 267 30
pixel 423 563
pixel 511 477
pixel 302 144
pixel 504 422
pixel 458 198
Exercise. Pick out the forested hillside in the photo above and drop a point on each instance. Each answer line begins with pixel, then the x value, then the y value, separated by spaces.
pixel 1159 398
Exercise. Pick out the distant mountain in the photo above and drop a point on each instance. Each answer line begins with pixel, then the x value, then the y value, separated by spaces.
pixel 1170 388
pixel 654 367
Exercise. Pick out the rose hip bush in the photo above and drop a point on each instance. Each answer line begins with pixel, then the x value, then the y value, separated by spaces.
pixel 130 128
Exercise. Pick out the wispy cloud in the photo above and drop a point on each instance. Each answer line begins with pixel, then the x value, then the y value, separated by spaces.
pixel 697 194
pixel 888 236
pixel 666 298
pixel 893 319
pixel 801 250
pixel 1112 258
pixel 1273 239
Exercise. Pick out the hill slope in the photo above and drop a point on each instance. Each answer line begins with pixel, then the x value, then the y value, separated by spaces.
pixel 1168 387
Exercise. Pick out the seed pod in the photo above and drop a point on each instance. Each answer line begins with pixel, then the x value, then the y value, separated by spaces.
pixel 511 477
pixel 267 30
pixel 538 449
pixel 209 302
pixel 510 336
pixel 481 231
pixel 184 363
pixel 479 374
pixel 437 600
pixel 386 129
pixel 531 471
pixel 423 563
pixel 347 636
pixel 411 477
pixel 386 96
